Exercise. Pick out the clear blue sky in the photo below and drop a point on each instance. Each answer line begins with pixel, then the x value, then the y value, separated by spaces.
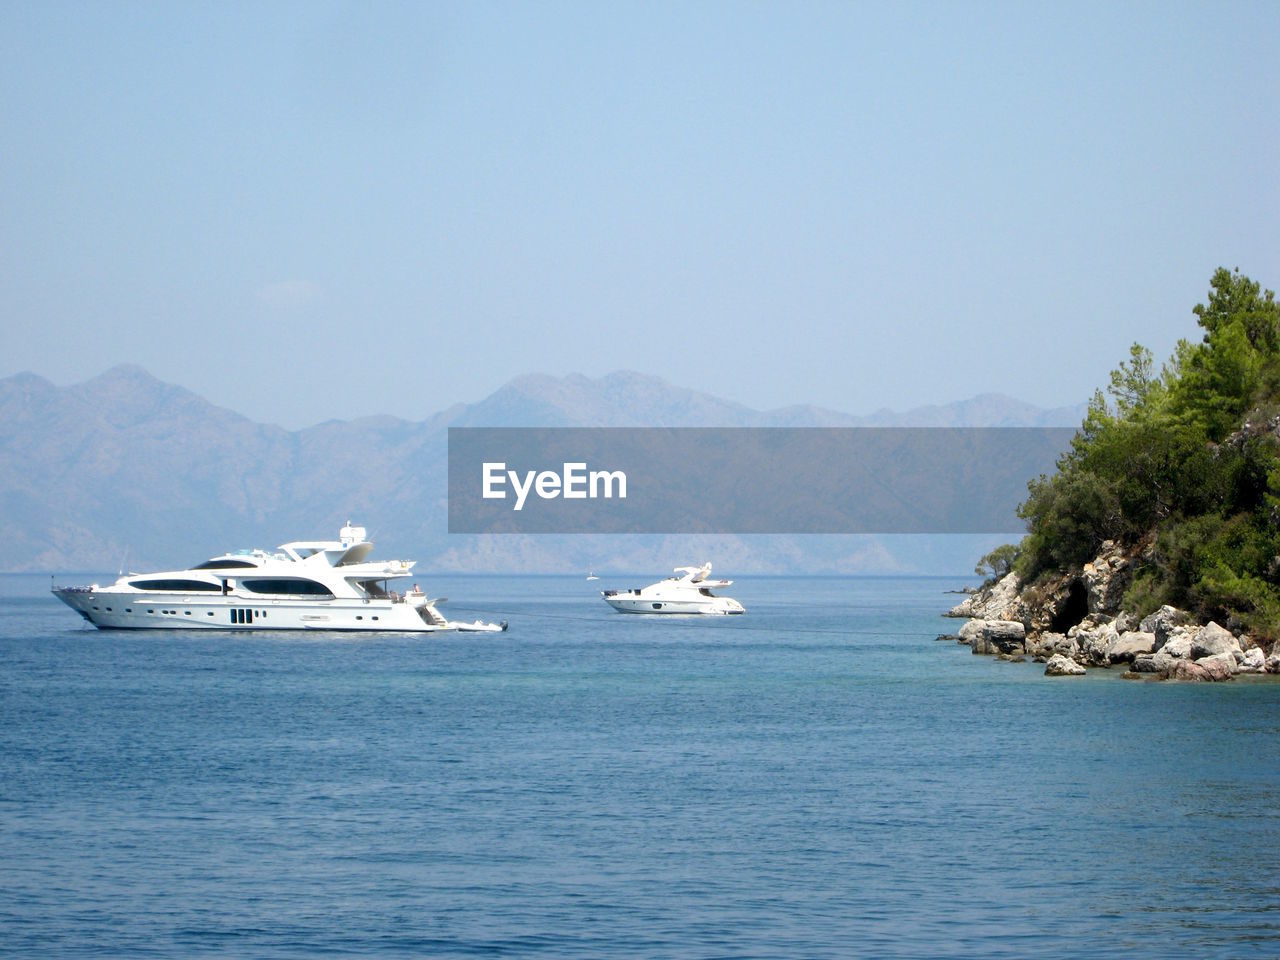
pixel 314 210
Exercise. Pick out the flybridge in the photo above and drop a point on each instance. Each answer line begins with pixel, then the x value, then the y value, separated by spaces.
pixel 574 482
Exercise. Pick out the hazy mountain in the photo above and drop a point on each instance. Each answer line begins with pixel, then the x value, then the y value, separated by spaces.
pixel 628 399
pixel 126 470
pixel 621 399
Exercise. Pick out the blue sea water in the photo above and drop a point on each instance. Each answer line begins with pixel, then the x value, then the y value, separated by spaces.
pixel 819 778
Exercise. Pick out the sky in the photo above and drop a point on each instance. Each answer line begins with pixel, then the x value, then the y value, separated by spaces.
pixel 306 211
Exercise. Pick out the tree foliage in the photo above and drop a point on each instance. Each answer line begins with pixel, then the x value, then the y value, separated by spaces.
pixel 1184 461
pixel 998 562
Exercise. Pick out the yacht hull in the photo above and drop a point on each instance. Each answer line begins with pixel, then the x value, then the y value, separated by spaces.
pixel 649 605
pixel 140 611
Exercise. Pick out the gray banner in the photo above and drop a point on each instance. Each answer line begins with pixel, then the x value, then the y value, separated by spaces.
pixel 745 480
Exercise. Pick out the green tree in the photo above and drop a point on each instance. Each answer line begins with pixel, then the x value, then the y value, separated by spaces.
pixel 1185 462
pixel 998 562
pixel 1134 384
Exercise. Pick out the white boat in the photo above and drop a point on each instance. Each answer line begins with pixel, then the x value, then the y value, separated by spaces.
pixel 304 585
pixel 591 576
pixel 691 592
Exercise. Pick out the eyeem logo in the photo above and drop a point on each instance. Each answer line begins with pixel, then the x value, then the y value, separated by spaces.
pixel 574 482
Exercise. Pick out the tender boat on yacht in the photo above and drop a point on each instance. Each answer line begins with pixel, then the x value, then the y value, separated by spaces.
pixel 304 585
pixel 689 593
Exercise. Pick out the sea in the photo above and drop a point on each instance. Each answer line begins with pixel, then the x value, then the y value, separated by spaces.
pixel 818 778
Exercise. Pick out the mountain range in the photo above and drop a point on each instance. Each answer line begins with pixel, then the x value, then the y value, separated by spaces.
pixel 127 471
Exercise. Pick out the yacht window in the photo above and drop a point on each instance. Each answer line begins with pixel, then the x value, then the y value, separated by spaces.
pixel 186 586
pixel 225 565
pixel 286 585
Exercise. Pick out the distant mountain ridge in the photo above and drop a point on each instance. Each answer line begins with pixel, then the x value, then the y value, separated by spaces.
pixel 125 469
pixel 629 399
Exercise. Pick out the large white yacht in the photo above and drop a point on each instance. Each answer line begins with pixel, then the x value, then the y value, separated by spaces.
pixel 688 593
pixel 304 585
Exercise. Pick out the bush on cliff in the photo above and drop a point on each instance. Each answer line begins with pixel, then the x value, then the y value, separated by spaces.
pixel 1182 466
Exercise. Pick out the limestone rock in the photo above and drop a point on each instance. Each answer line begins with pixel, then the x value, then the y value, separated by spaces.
pixel 1158 662
pixel 1045 645
pixel 1042 644
pixel 1221 666
pixel 1212 640
pixel 1162 622
pixel 1006 636
pixel 1060 666
pixel 1095 642
pixel 1106 578
pixel 993 636
pixel 1254 661
pixel 1177 643
pixel 1189 671
pixel 1126 646
pixel 970 631
pixel 1067 646
pixel 1126 623
pixel 999 601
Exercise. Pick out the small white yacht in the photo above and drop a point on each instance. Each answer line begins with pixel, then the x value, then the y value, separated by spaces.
pixel 304 585
pixel 688 593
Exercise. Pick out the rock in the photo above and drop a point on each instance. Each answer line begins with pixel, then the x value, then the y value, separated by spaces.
pixel 1158 662
pixel 948 636
pixel 994 636
pixel 1254 661
pixel 1106 578
pixel 1188 671
pixel 1060 666
pixel 1211 640
pixel 1047 644
pixel 1067 646
pixel 971 633
pixel 997 602
pixel 1095 642
pixel 1126 623
pixel 1221 666
pixel 1036 644
pixel 1089 624
pixel 1006 636
pixel 1210 669
pixel 1178 643
pixel 1126 646
pixel 1273 661
pixel 1162 622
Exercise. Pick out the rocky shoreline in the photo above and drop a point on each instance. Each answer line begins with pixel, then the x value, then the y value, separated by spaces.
pixel 1075 622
